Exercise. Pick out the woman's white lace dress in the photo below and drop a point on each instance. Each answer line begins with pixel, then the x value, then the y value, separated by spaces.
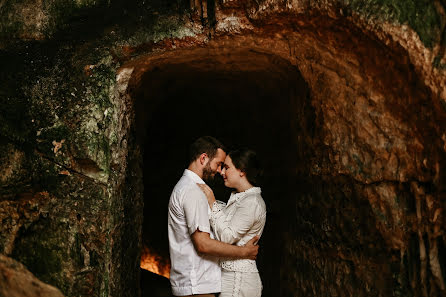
pixel 237 222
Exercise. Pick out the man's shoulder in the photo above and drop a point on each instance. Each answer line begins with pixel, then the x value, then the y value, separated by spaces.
pixel 186 187
pixel 183 185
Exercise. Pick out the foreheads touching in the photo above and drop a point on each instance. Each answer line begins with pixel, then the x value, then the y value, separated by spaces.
pixel 207 156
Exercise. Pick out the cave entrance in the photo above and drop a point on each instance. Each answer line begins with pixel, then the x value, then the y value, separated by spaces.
pixel 242 97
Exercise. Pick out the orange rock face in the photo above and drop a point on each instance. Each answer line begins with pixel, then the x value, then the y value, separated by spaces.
pixel 17 281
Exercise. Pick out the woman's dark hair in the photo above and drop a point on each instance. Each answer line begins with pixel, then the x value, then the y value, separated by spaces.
pixel 247 161
pixel 204 144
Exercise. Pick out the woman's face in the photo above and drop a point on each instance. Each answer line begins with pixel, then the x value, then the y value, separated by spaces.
pixel 231 175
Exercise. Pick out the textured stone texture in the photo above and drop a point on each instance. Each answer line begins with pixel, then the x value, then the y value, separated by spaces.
pixel 367 218
pixel 64 209
pixel 37 19
pixel 17 281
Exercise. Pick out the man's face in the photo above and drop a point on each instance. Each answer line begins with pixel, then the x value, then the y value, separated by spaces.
pixel 213 166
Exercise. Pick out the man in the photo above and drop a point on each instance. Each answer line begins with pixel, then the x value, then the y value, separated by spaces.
pixel 193 251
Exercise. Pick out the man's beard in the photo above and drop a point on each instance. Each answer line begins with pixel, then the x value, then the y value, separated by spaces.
pixel 208 174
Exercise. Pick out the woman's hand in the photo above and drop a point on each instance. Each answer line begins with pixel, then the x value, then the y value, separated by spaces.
pixel 209 193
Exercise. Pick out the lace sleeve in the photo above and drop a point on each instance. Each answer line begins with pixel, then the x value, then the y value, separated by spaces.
pixel 230 228
pixel 216 213
pixel 218 206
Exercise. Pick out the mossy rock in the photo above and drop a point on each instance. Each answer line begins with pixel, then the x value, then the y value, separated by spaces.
pixel 43 252
pixel 422 16
pixel 36 20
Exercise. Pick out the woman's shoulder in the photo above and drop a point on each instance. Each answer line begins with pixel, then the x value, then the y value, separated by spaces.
pixel 255 198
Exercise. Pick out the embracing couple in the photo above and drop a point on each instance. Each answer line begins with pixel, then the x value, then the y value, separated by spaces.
pixel 212 244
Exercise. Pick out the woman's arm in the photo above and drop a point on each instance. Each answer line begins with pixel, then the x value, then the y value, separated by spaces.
pixel 240 223
pixel 231 231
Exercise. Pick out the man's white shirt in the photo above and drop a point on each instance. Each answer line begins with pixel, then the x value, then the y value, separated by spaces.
pixel 191 273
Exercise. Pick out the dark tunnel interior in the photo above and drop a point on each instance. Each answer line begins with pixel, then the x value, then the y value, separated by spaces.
pixel 251 104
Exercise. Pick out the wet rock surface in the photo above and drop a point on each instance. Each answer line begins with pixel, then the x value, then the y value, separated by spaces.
pixel 17 281
pixel 356 198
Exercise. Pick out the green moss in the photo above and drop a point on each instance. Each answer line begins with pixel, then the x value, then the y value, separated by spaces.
pixel 100 81
pixel 96 149
pixel 42 252
pixel 61 12
pixel 67 103
pixel 106 283
pixel 160 27
pixel 48 135
pixel 11 23
pixel 12 28
pixel 35 20
pixel 105 148
pixel 76 252
pixel 421 15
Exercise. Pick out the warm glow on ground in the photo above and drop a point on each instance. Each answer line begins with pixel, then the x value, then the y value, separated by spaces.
pixel 154 263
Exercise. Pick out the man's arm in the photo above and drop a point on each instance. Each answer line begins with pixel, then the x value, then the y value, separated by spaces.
pixel 204 244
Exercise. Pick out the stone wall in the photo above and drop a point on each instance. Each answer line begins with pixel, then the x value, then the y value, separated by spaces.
pixel 17 281
pixel 368 218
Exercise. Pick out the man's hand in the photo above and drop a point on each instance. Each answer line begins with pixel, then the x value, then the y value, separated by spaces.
pixel 251 248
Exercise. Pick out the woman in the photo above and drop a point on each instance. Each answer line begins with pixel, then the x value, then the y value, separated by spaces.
pixel 238 221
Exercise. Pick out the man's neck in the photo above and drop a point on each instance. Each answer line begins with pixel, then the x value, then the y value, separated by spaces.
pixel 195 169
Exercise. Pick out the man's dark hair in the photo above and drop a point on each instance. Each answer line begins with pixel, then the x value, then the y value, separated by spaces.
pixel 247 161
pixel 204 144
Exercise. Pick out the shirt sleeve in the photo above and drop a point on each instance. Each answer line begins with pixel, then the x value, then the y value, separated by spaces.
pixel 195 207
pixel 231 231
